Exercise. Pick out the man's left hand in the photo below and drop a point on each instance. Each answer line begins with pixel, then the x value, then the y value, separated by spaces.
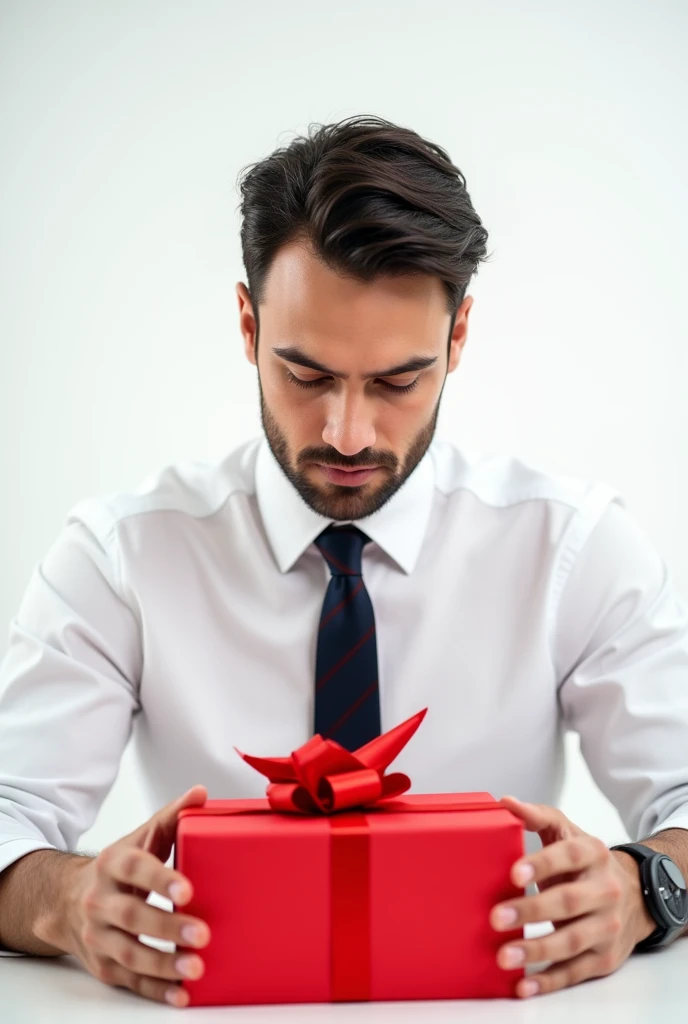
pixel 590 893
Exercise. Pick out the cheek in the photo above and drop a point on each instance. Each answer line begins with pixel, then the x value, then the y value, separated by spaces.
pixel 408 413
pixel 299 416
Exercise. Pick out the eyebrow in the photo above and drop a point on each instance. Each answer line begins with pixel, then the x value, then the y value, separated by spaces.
pixel 294 355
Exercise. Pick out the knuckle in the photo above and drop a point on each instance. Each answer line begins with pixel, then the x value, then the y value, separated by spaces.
pixel 90 899
pixel 129 916
pixel 535 910
pixel 576 852
pixel 130 863
pixel 551 980
pixel 136 984
pixel 607 961
pixel 614 889
pixel 108 973
pixel 102 969
pixel 536 950
pixel 164 966
pixel 574 942
pixel 546 865
pixel 103 861
pixel 127 956
pixel 545 982
pixel 554 980
pixel 88 935
pixel 614 924
pixel 568 977
pixel 571 902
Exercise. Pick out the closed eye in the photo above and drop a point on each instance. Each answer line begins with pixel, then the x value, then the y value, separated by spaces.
pixel 400 389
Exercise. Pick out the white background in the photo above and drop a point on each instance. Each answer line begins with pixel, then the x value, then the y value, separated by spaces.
pixel 123 126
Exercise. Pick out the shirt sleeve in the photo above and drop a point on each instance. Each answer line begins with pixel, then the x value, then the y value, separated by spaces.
pixel 621 657
pixel 69 686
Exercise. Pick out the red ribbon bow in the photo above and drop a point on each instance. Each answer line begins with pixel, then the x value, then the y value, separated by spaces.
pixel 322 776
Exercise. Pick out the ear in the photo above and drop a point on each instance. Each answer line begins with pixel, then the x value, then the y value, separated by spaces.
pixel 459 334
pixel 247 321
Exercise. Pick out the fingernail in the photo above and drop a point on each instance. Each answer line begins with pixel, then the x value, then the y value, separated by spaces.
pixel 524 873
pixel 189 966
pixel 193 935
pixel 505 916
pixel 175 996
pixel 177 892
pixel 529 987
pixel 513 956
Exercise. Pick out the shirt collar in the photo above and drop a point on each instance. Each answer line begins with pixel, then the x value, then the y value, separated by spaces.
pixel 291 525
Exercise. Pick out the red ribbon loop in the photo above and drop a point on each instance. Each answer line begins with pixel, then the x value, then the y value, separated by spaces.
pixel 323 777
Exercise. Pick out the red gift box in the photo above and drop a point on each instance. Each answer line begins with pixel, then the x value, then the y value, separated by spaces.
pixel 335 888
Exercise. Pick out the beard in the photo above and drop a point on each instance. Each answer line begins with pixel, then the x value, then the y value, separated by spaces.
pixel 338 502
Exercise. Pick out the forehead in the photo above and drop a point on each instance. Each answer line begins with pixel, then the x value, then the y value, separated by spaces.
pixel 308 302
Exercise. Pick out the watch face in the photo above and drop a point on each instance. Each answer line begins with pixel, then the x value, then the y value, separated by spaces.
pixel 670 889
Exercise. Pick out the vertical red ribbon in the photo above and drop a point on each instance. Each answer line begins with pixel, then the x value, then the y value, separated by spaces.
pixel 350 907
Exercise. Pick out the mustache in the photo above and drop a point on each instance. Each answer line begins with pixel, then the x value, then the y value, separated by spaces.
pixel 368 457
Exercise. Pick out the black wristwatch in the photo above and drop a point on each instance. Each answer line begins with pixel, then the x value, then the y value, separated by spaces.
pixel 664 890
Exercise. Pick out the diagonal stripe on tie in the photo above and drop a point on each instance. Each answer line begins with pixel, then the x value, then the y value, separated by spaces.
pixel 349 654
pixel 337 608
pixel 337 726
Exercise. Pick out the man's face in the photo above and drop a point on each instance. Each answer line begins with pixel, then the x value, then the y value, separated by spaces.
pixel 350 377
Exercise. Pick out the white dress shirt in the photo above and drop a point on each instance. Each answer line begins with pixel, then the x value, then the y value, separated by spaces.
pixel 513 604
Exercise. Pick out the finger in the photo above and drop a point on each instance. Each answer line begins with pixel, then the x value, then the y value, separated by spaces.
pixel 587 965
pixel 130 865
pixel 564 857
pixel 560 903
pixel 565 943
pixel 150 988
pixel 163 823
pixel 139 918
pixel 145 960
pixel 166 817
pixel 538 817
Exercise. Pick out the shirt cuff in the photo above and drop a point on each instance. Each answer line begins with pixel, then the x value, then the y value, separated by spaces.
pixel 679 819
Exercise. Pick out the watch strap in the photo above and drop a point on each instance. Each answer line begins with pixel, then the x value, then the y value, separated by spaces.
pixel 640 854
pixel 638 851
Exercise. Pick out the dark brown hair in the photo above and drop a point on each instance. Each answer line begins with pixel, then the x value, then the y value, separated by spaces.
pixel 371 198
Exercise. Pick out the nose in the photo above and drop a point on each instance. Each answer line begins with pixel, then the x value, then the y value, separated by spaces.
pixel 349 427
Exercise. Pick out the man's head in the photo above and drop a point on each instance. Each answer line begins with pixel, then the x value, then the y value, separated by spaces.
pixel 359 242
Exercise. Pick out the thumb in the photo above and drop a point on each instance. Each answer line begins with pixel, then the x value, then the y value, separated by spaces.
pixel 539 817
pixel 159 830
pixel 193 797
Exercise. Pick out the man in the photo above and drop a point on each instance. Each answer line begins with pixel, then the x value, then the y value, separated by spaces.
pixel 336 577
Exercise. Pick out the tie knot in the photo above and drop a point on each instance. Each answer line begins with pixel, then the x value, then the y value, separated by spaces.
pixel 342 547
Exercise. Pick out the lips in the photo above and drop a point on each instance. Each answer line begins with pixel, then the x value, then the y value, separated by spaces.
pixel 347 477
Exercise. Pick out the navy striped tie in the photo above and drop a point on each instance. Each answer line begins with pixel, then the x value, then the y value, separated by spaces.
pixel 347 700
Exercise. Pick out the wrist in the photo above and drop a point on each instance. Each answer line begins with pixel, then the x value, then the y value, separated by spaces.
pixel 56 923
pixel 641 923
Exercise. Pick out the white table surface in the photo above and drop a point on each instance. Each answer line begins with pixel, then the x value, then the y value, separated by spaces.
pixel 648 988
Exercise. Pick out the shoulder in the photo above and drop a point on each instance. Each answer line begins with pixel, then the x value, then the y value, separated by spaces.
pixel 549 512
pixel 500 480
pixel 192 489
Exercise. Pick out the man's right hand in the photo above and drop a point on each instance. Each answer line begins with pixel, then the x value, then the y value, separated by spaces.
pixel 105 911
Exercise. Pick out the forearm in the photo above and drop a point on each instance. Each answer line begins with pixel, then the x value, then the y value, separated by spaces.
pixel 673 842
pixel 33 891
